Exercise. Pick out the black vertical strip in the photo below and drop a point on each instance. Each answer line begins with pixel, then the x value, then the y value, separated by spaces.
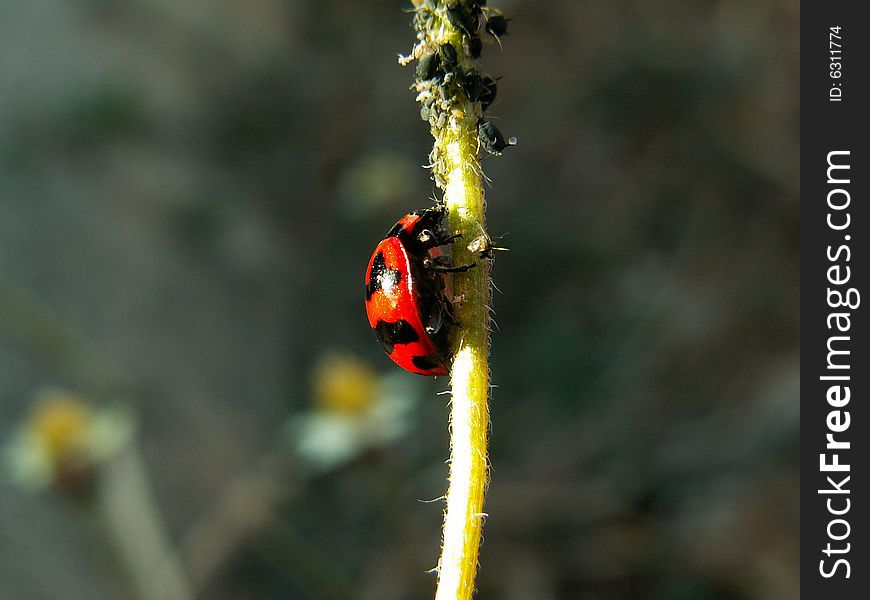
pixel 835 298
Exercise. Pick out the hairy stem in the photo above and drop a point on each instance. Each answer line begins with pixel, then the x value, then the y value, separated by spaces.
pixel 469 379
pixel 453 120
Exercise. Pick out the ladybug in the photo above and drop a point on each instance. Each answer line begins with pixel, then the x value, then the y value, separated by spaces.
pixel 406 292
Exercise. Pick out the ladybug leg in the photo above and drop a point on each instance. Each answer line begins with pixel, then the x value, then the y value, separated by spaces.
pixel 442 264
pixel 447 310
pixel 430 239
pixel 448 314
pixel 427 239
pixel 457 269
pixel 434 320
pixel 446 240
pixel 446 303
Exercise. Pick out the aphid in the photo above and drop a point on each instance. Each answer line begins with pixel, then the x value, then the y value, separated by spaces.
pixel 472 84
pixel 448 54
pixel 428 66
pixel 483 245
pixel 490 88
pixel 463 19
pixel 473 45
pixel 492 139
pixel 477 6
pixel 497 25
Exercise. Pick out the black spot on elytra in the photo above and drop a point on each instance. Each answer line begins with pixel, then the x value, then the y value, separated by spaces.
pixel 393 334
pixel 381 276
pixel 425 363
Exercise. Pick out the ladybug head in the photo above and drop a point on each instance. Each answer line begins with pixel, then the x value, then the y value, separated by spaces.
pixel 421 230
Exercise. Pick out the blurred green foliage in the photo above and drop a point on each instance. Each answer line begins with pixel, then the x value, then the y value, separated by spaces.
pixel 189 193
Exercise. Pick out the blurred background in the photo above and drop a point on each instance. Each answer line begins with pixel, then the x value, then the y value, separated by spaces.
pixel 192 404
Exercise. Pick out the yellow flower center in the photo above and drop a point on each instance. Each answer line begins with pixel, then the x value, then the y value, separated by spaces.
pixel 60 422
pixel 343 384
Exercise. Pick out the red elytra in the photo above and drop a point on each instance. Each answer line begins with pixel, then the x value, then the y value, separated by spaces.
pixel 405 297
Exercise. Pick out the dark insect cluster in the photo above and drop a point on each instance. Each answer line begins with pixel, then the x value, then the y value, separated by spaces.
pixel 446 72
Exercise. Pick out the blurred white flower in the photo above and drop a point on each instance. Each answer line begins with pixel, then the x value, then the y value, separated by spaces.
pixel 354 410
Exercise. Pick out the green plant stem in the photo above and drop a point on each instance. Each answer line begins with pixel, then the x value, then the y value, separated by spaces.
pixel 469 417
pixel 456 170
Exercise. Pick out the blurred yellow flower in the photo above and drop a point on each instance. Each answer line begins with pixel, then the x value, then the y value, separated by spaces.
pixel 355 409
pixel 63 439
pixel 59 422
pixel 343 384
